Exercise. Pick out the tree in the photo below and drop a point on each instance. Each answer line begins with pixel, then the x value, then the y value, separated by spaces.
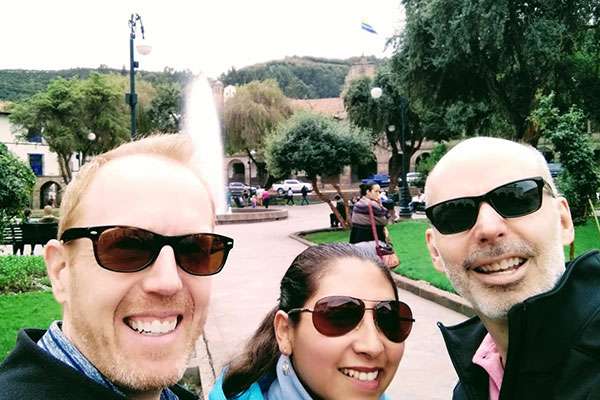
pixel 391 114
pixel 104 114
pixel 68 111
pixel 499 53
pixel 146 93
pixel 16 186
pixel 56 113
pixel 427 165
pixel 165 108
pixel 319 146
pixel 579 180
pixel 255 110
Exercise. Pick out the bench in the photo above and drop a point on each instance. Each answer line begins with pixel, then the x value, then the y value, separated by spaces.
pixel 18 235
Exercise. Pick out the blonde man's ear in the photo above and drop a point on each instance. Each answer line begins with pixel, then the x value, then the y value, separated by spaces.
pixel 57 261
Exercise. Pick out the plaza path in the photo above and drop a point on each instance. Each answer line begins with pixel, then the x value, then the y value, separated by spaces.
pixel 248 288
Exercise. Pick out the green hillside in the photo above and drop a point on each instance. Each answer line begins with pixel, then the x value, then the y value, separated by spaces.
pixel 298 77
pixel 19 84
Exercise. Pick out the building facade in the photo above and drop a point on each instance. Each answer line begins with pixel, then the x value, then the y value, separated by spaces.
pixel 34 152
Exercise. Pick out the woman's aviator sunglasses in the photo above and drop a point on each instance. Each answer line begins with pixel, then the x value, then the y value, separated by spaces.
pixel 511 200
pixel 338 315
pixel 131 249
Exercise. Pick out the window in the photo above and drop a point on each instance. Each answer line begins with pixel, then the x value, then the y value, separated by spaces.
pixel 36 161
pixel 34 135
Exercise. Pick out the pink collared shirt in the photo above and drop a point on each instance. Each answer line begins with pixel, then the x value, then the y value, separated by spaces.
pixel 488 357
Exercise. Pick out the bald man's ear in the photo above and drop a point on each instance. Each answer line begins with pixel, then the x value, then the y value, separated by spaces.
pixel 436 258
pixel 56 258
pixel 566 222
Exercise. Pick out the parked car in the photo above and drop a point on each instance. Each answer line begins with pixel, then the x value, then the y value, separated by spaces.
pixel 295 184
pixel 382 180
pixel 414 178
pixel 237 188
pixel 555 169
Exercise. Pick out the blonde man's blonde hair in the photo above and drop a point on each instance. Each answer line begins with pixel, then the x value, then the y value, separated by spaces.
pixel 174 147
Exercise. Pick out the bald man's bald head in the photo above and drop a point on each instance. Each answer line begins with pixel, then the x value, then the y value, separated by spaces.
pixel 480 157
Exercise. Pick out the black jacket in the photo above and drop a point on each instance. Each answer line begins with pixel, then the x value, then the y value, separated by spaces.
pixel 554 343
pixel 29 372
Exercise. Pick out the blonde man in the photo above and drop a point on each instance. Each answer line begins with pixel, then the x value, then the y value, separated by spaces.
pixel 131 271
pixel 498 231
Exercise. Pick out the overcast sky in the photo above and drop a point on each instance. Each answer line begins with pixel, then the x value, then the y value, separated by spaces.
pixel 208 36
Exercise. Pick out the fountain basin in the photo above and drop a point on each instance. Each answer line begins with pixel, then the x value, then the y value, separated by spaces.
pixel 248 215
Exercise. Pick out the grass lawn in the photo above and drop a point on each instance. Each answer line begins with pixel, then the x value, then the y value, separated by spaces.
pixel 409 242
pixel 31 310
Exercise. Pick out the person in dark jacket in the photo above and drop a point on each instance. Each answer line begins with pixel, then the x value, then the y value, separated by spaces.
pixel 304 192
pixel 131 274
pixel 498 231
pixel 361 222
pixel 341 209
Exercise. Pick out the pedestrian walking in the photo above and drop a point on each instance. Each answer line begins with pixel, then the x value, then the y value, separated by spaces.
pixel 290 197
pixel 304 192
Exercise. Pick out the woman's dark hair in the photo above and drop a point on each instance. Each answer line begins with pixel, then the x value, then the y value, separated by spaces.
pixel 365 187
pixel 300 281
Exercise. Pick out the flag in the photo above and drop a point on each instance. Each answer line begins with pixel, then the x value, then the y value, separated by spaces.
pixel 368 28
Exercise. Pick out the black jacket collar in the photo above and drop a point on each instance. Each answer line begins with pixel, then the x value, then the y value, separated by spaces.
pixel 541 329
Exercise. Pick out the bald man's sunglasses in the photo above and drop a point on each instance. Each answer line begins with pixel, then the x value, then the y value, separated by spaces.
pixel 131 249
pixel 337 315
pixel 511 200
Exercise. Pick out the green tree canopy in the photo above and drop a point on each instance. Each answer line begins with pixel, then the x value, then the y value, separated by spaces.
pixel 16 185
pixel 491 55
pixel 68 111
pixel 317 145
pixel 165 108
pixel 390 115
pixel 580 179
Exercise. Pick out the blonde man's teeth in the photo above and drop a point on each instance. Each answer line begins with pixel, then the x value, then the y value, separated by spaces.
pixel 360 375
pixel 154 327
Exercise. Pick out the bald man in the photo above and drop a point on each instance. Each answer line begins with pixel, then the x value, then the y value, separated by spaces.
pixel 498 227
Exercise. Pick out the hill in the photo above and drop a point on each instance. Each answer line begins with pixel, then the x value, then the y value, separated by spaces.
pixel 18 84
pixel 299 77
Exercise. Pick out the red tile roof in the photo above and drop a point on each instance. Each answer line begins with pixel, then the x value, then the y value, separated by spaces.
pixel 333 106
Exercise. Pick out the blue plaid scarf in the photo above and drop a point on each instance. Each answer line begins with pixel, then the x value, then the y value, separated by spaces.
pixel 57 344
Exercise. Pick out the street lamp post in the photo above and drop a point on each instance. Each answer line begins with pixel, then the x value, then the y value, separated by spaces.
pixel 404 199
pixel 252 152
pixel 404 211
pixel 143 49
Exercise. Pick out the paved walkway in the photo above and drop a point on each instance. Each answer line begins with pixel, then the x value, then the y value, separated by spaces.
pixel 248 288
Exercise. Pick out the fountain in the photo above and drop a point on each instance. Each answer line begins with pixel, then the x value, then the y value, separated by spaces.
pixel 201 122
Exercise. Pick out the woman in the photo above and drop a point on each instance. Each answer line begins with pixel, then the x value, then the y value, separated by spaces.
pixel 337 332
pixel 361 221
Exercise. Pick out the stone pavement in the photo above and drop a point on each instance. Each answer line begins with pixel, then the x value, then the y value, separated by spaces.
pixel 248 288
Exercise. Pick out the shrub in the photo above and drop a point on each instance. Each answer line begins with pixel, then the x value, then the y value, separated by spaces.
pixel 22 274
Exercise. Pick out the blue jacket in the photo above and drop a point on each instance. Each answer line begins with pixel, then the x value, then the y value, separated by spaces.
pixel 289 387
pixel 253 393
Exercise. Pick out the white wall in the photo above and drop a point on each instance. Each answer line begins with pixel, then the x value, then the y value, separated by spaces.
pixel 22 148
